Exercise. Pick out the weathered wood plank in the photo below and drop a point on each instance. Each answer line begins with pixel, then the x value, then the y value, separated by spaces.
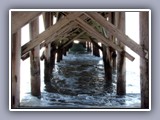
pixel 25 56
pixel 96 44
pixel 74 38
pixel 48 21
pixel 50 31
pixel 21 18
pixel 15 82
pixel 96 49
pixel 107 66
pixel 35 60
pixel 117 33
pixel 92 32
pixel 144 64
pixel 52 38
pixel 67 33
pixel 121 62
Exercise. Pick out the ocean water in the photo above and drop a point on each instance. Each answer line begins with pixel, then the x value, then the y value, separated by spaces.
pixel 78 82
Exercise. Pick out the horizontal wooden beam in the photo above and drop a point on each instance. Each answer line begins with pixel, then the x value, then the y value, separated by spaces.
pixel 50 31
pixel 92 32
pixel 21 18
pixel 117 33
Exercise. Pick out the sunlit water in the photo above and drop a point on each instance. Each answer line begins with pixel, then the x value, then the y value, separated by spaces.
pixel 78 82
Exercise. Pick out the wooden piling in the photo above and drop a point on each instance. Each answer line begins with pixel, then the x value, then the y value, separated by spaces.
pixel 59 55
pixel 52 58
pixel 64 51
pixel 107 66
pixel 121 62
pixel 48 21
pixel 96 50
pixel 88 46
pixel 16 56
pixel 144 64
pixel 35 60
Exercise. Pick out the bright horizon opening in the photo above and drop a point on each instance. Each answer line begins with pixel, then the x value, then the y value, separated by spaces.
pixel 76 41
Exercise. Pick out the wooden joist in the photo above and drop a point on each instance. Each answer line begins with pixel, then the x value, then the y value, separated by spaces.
pixel 56 35
pixel 92 32
pixel 66 34
pixel 96 34
pixel 52 38
pixel 77 36
pixel 21 18
pixel 117 33
pixel 50 31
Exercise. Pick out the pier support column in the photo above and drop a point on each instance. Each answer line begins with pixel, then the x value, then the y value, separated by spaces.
pixel 47 63
pixel 48 21
pixel 53 57
pixel 16 56
pixel 35 60
pixel 59 55
pixel 121 62
pixel 64 51
pixel 95 49
pixel 107 66
pixel 88 46
pixel 144 65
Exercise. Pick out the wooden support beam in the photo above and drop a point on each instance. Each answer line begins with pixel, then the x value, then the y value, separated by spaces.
pixel 98 36
pixel 68 32
pixel 25 56
pixel 59 54
pixel 15 82
pixel 96 44
pixel 92 32
pixel 56 35
pixel 88 46
pixel 50 31
pixel 21 18
pixel 53 57
pixel 48 22
pixel 121 62
pixel 117 33
pixel 35 60
pixel 144 64
pixel 77 36
pixel 107 66
pixel 47 67
pixel 54 38
pixel 96 50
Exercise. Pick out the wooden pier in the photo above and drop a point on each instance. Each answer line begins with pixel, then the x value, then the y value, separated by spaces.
pixel 90 28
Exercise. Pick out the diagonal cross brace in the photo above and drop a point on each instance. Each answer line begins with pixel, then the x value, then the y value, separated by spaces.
pixel 92 32
pixel 50 31
pixel 117 33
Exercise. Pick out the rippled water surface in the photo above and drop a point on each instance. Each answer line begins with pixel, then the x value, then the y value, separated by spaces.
pixel 78 82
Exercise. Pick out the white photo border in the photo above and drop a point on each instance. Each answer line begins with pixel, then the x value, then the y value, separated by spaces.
pixel 76 10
